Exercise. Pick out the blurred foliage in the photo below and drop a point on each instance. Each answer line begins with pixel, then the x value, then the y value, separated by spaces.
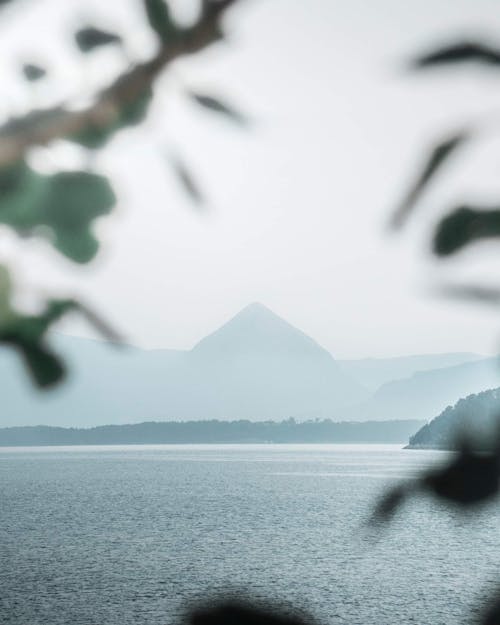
pixel 28 333
pixel 65 203
pixel 463 226
pixel 160 20
pixel 33 72
pixel 471 476
pixel 241 613
pixel 90 38
pixel 62 207
pixel 460 52
pixel 217 106
pixel 436 161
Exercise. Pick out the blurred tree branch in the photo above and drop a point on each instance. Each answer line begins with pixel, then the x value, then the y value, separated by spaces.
pixel 41 127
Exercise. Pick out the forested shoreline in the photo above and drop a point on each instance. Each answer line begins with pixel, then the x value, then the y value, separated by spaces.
pixel 215 431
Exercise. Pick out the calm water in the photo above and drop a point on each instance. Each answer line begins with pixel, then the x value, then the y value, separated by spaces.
pixel 118 535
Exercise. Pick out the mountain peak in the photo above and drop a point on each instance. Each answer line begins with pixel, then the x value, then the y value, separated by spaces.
pixel 257 328
pixel 256 310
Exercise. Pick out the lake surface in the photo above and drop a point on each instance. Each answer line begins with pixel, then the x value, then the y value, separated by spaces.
pixel 119 535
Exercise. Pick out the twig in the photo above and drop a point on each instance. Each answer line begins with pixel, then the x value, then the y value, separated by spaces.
pixel 41 127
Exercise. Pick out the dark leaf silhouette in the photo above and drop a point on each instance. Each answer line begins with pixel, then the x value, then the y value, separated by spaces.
pixel 160 20
pixel 484 294
pixel 435 162
pixel 102 326
pixel 241 614
pixel 463 226
pixel 46 368
pixel 389 503
pixel 186 179
pixel 470 478
pixel 90 38
pixel 217 106
pixel 33 72
pixel 459 53
pixel 492 614
pixel 26 333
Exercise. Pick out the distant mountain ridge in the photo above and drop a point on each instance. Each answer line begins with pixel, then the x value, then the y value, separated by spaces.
pixel 255 366
pixel 372 373
pixel 426 393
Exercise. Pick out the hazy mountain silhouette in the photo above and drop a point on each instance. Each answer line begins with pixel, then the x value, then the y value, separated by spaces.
pixel 255 366
pixel 372 373
pixel 258 330
pixel 427 393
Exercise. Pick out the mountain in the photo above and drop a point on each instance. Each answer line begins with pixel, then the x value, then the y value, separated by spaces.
pixel 476 417
pixel 256 366
pixel 372 373
pixel 214 431
pixel 259 366
pixel 426 393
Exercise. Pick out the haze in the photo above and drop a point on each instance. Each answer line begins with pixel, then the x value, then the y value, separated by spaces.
pixel 297 205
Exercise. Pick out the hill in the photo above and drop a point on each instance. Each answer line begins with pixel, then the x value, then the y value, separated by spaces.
pixel 288 431
pixel 476 417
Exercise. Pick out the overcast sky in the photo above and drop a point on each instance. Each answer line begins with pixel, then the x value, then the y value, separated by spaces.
pixel 297 204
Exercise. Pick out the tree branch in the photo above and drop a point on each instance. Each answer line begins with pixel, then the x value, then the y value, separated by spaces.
pixel 41 127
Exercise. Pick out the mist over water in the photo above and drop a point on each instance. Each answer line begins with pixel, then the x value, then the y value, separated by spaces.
pixel 135 534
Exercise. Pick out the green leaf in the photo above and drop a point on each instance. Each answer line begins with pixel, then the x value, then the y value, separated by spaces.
pixel 89 38
pixel 45 367
pixel 217 106
pixel 66 203
pixel 94 136
pixel 460 52
pixel 22 192
pixel 160 19
pixel 434 165
pixel 26 334
pixel 74 200
pixel 464 226
pixel 33 72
